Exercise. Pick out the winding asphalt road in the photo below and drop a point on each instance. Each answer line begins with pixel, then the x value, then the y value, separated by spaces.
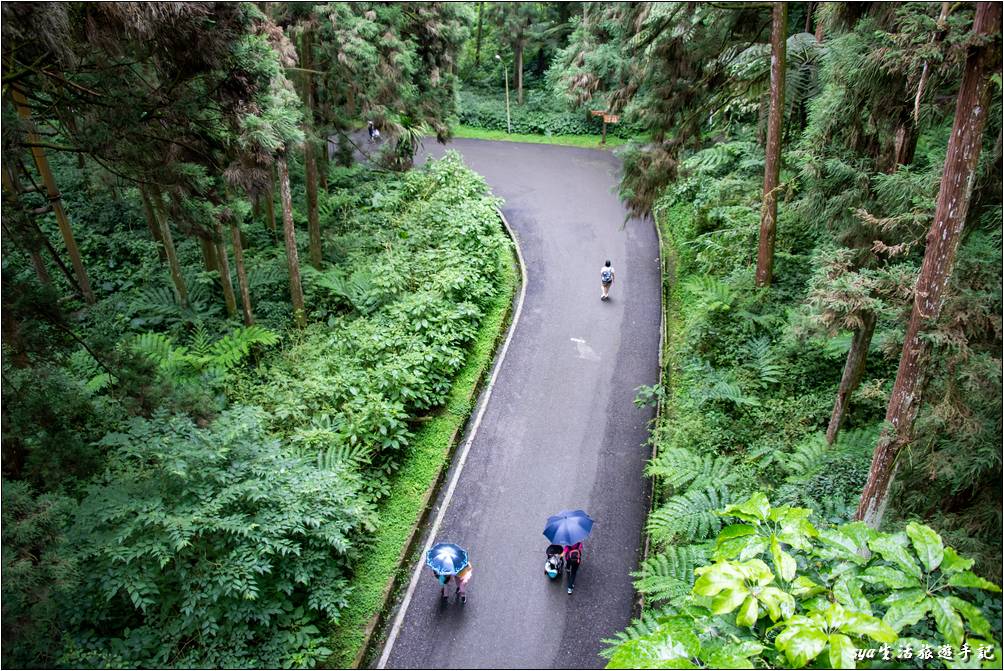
pixel 560 429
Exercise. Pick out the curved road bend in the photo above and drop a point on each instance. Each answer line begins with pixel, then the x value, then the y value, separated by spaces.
pixel 560 429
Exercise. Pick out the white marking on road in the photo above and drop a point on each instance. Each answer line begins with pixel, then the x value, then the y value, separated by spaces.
pixel 399 619
pixel 585 351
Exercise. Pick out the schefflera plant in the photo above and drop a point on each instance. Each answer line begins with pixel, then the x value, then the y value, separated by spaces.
pixel 788 594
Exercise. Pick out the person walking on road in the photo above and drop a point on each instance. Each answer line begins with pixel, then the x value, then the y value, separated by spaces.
pixel 573 557
pixel 463 578
pixel 449 561
pixel 606 279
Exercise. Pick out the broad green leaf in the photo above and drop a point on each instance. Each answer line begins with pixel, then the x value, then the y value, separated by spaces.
pixel 859 531
pixel 754 509
pixel 670 646
pixel 949 622
pixel 953 563
pixel 847 591
pixel 713 579
pixel 977 623
pixel 841 652
pixel 970 579
pixel 783 562
pixel 780 604
pixel 913 595
pixel 757 571
pixel 735 531
pixel 731 548
pixel 755 547
pixel 927 544
pixel 803 586
pixel 889 577
pixel 733 655
pixel 644 654
pixel 843 545
pixel 907 612
pixel 867 625
pixel 748 612
pixel 728 600
pixel 893 549
pixel 801 644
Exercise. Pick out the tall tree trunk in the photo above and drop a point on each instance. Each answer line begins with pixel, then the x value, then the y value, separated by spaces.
pixel 209 254
pixel 242 276
pixel 223 264
pixel 289 233
pixel 172 255
pixel 772 165
pixel 939 256
pixel 270 204
pixel 854 368
pixel 808 17
pixel 926 70
pixel 54 198
pixel 819 24
pixel 519 73
pixel 151 222
pixel 26 234
pixel 313 221
pixel 477 40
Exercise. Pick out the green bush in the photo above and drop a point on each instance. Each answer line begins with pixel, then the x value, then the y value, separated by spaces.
pixel 784 593
pixel 212 547
pixel 39 573
pixel 540 114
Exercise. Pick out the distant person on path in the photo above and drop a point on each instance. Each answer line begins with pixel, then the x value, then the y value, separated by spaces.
pixel 606 279
pixel 573 557
pixel 372 130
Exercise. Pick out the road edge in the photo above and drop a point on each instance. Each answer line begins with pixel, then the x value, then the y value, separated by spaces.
pixel 374 625
pixel 651 485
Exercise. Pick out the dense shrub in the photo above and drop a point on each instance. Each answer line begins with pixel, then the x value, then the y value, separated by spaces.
pixel 539 114
pixel 212 547
pixel 39 573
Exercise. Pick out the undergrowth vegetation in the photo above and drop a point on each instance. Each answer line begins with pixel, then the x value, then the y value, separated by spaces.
pixel 186 491
pixel 749 384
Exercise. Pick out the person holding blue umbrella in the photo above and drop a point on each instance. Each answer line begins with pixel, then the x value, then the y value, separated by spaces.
pixel 447 561
pixel 568 529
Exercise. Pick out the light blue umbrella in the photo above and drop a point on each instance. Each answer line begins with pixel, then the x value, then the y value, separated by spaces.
pixel 568 527
pixel 447 558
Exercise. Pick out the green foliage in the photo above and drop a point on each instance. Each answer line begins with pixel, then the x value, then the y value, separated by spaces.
pixel 540 114
pixel 39 573
pixel 782 592
pixel 213 535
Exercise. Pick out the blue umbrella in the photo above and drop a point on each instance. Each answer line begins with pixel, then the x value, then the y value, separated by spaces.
pixel 568 527
pixel 447 558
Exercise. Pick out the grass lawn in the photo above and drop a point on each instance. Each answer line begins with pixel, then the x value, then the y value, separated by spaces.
pixel 427 454
pixel 587 141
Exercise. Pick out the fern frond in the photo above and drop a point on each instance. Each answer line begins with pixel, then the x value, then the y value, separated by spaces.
pixel 680 467
pixel 691 515
pixel 669 576
pixel 639 628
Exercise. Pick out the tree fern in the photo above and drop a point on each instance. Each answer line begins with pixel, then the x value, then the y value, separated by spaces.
pixel 691 515
pixel 680 467
pixel 668 576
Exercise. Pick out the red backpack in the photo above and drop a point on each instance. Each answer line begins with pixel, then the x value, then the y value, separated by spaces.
pixel 573 553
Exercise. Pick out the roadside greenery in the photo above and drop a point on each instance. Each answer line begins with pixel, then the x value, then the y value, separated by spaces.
pixel 782 592
pixel 227 481
pixel 542 113
pixel 584 141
